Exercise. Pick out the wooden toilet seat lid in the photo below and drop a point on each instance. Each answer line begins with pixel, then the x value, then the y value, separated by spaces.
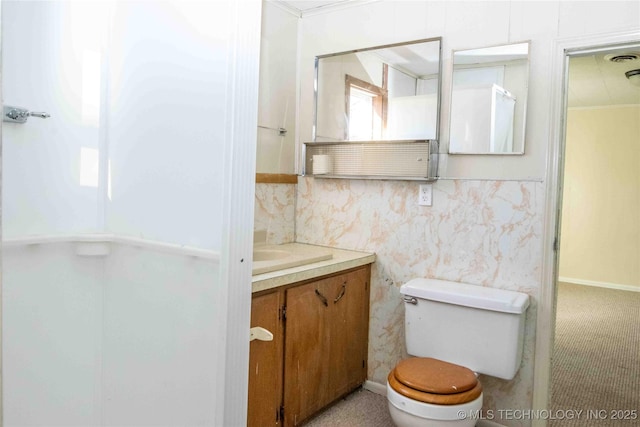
pixel 434 376
pixel 434 399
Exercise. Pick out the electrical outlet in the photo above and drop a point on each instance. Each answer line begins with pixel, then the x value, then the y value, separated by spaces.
pixel 425 194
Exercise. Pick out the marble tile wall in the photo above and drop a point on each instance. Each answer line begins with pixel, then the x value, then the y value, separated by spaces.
pixel 487 233
pixel 275 212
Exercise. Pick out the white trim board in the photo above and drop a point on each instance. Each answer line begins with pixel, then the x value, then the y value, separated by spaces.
pixel 241 116
pixel 607 285
pixel 374 387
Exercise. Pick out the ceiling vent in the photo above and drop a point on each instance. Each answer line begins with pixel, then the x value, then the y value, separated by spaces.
pixel 622 58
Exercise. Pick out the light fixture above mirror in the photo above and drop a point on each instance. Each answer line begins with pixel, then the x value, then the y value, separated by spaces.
pixel 489 100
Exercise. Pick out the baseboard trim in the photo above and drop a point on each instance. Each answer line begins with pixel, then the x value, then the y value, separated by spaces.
pixel 375 387
pixel 599 284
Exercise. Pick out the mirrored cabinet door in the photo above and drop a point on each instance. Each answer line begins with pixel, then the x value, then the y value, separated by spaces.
pixel 377 113
pixel 489 100
pixel 381 93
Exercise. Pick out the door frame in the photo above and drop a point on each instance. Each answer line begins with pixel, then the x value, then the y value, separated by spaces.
pixel 545 323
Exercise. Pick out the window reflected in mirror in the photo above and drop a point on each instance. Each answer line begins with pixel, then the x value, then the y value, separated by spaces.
pixel 379 94
pixel 366 107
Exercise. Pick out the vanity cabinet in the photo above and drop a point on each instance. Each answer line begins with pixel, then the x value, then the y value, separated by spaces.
pixel 322 340
pixel 265 362
pixel 326 342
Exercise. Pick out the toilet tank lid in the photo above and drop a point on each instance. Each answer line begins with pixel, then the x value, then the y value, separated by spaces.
pixel 467 295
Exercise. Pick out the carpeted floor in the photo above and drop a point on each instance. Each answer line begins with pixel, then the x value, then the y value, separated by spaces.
pixel 361 408
pixel 596 358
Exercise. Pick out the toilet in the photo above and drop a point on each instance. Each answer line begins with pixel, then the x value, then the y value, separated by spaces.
pixel 453 331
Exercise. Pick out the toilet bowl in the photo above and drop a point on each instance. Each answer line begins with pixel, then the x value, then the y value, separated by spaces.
pixel 453 330
pixel 427 392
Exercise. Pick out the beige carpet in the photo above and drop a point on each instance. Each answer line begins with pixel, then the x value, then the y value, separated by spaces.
pixel 596 358
pixel 361 408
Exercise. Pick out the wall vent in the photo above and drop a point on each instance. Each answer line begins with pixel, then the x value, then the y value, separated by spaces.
pixel 622 58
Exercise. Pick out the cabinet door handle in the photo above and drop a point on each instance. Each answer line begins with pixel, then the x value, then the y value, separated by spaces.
pixel 322 298
pixel 260 334
pixel 342 291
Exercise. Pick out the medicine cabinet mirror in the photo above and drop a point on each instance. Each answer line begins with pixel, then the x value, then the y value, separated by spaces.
pixel 381 93
pixel 489 100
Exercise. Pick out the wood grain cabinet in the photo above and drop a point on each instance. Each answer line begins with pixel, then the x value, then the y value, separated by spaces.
pixel 265 362
pixel 321 340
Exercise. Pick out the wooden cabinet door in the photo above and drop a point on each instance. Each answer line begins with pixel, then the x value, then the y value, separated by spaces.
pixel 306 379
pixel 325 342
pixel 265 363
pixel 349 332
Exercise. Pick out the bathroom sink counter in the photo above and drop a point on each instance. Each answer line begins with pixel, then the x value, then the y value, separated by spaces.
pixel 342 260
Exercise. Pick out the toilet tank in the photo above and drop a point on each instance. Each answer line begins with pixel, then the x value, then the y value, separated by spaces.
pixel 474 326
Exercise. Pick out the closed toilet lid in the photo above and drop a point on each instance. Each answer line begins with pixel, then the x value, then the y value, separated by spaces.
pixel 435 376
pixel 434 381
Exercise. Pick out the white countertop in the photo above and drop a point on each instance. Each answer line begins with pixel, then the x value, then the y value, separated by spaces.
pixel 342 260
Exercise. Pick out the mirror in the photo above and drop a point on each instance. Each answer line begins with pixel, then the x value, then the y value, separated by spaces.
pixel 489 100
pixel 381 93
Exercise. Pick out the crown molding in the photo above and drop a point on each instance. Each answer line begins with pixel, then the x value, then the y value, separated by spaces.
pixel 347 4
pixel 285 7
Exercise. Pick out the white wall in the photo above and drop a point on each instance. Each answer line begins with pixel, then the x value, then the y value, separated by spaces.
pixel 278 88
